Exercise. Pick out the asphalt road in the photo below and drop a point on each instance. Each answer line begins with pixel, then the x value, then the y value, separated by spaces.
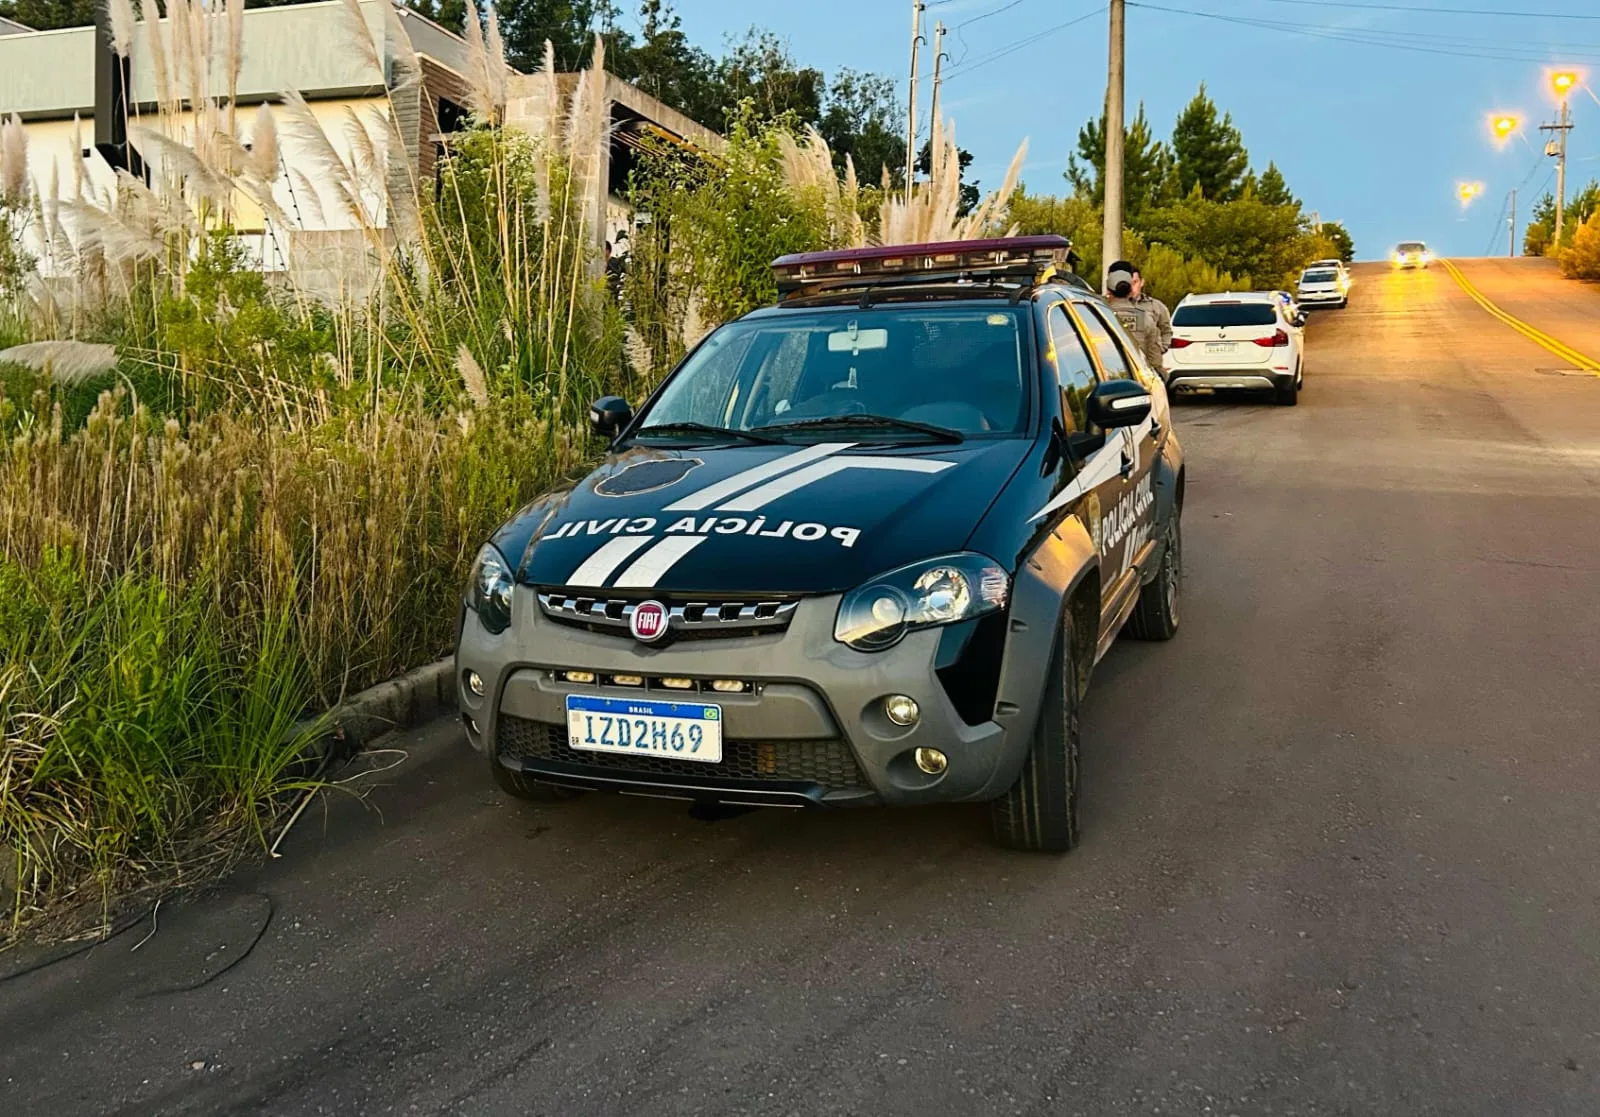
pixel 1342 852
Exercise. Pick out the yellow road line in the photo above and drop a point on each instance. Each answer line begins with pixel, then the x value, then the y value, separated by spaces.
pixel 1533 334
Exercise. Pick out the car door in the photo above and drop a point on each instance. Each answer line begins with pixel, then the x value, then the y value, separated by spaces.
pixel 1127 527
pixel 1097 482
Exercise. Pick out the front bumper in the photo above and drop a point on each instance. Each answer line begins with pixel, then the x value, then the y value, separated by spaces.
pixel 1322 298
pixel 811 732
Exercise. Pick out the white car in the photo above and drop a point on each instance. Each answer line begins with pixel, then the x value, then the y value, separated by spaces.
pixel 1323 285
pixel 1247 341
pixel 1411 254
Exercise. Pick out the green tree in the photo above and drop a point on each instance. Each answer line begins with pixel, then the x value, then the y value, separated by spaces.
pixel 1272 189
pixel 1146 163
pixel 862 120
pixel 667 66
pixel 1209 153
pixel 1248 238
pixel 1344 244
pixel 759 69
pixel 1542 228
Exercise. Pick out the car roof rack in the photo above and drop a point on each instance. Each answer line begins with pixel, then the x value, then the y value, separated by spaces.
pixel 1025 261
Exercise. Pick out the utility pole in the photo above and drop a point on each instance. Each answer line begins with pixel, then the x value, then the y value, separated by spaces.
pixel 1111 239
pixel 938 58
pixel 1511 248
pixel 1557 147
pixel 917 7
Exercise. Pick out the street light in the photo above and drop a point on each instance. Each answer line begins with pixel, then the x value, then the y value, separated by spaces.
pixel 1504 126
pixel 1563 82
pixel 1468 191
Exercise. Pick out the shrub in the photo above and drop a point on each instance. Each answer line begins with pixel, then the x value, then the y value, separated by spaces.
pixel 1582 259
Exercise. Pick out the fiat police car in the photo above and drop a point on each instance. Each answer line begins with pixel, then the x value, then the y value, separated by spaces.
pixel 861 547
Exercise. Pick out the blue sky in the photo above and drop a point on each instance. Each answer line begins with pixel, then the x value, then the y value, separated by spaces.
pixel 1376 136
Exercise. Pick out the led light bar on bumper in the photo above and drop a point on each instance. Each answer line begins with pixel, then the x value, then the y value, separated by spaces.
pixel 925 594
pixel 491 589
pixel 995 254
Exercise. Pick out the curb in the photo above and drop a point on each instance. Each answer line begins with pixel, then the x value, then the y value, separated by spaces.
pixel 418 696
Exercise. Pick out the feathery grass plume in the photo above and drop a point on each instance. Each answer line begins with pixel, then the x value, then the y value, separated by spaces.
pixel 233 58
pixel 157 46
pixel 64 361
pixel 588 129
pixel 263 164
pixel 480 87
pixel 77 157
pixel 304 193
pixel 194 173
pixel 495 51
pixel 123 22
pixel 317 151
pixel 361 35
pixel 472 377
pixel 640 357
pixel 13 160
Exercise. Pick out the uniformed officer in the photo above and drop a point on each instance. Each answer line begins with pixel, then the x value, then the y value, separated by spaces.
pixel 1156 307
pixel 1136 317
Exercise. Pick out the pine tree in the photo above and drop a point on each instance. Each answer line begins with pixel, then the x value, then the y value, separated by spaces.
pixel 1209 151
pixel 1272 189
pixel 1146 163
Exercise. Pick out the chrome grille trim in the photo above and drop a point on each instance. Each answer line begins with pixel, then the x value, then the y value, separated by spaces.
pixel 688 617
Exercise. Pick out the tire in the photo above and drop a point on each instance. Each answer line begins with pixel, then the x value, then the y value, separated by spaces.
pixel 1287 396
pixel 1155 617
pixel 1040 812
pixel 519 785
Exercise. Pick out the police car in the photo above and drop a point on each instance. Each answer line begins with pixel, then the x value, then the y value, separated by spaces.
pixel 861 547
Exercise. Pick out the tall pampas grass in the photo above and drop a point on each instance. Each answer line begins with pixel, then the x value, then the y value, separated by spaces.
pixel 123 22
pixel 13 161
pixel 932 212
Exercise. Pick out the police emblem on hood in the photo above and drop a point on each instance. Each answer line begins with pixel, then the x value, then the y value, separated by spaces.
pixel 647 477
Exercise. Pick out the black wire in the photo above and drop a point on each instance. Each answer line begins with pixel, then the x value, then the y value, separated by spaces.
pixel 1495 234
pixel 1412 8
pixel 1020 44
pixel 1340 35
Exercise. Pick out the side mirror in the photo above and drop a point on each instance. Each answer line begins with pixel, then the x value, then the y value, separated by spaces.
pixel 608 415
pixel 1119 403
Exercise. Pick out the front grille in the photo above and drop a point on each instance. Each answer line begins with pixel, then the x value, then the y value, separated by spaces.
pixel 711 617
pixel 829 763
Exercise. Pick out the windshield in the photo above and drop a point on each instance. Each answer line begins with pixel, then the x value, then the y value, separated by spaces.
pixel 963 369
pixel 1413 246
pixel 1319 277
pixel 1225 314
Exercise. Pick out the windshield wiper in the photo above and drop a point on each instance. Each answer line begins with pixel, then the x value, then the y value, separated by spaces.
pixel 879 422
pixel 706 428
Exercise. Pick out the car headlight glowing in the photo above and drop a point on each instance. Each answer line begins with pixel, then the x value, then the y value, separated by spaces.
pixel 491 589
pixel 923 595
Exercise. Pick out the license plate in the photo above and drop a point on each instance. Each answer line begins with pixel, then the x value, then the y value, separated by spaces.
pixel 1220 347
pixel 680 730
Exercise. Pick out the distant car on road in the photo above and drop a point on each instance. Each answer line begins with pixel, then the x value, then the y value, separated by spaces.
pixel 1412 254
pixel 1324 286
pixel 1237 341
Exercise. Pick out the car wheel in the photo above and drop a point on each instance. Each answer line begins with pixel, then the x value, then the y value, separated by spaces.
pixel 1155 617
pixel 1040 812
pixel 519 785
pixel 1287 396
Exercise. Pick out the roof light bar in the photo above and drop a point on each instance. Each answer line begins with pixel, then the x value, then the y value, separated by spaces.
pixel 1011 255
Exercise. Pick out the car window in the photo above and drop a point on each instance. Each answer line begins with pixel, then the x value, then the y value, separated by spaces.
pixel 963 367
pixel 1105 345
pixel 1074 369
pixel 1413 246
pixel 1224 314
pixel 1319 277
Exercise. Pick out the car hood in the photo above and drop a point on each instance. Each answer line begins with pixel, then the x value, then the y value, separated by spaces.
pixel 764 519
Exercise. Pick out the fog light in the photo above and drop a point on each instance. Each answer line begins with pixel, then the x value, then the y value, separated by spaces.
pixel 584 677
pixel 728 686
pixel 627 680
pixel 931 761
pixel 475 683
pixel 901 709
pixel 678 684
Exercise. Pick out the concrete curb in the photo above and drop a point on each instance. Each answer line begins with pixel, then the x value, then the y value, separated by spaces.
pixel 417 696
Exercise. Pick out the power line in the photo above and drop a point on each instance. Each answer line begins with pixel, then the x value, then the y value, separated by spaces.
pixel 1341 35
pixel 1020 44
pixel 1413 9
pixel 1499 217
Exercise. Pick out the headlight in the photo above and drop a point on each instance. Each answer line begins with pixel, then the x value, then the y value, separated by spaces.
pixel 923 595
pixel 491 588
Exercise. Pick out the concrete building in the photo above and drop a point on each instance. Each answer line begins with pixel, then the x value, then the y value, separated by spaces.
pixel 50 80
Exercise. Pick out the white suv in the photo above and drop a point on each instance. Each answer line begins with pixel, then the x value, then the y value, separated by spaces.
pixel 1237 341
pixel 1325 283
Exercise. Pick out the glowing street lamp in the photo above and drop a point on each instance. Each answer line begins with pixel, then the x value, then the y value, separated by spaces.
pixel 1504 126
pixel 1468 192
pixel 1563 82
